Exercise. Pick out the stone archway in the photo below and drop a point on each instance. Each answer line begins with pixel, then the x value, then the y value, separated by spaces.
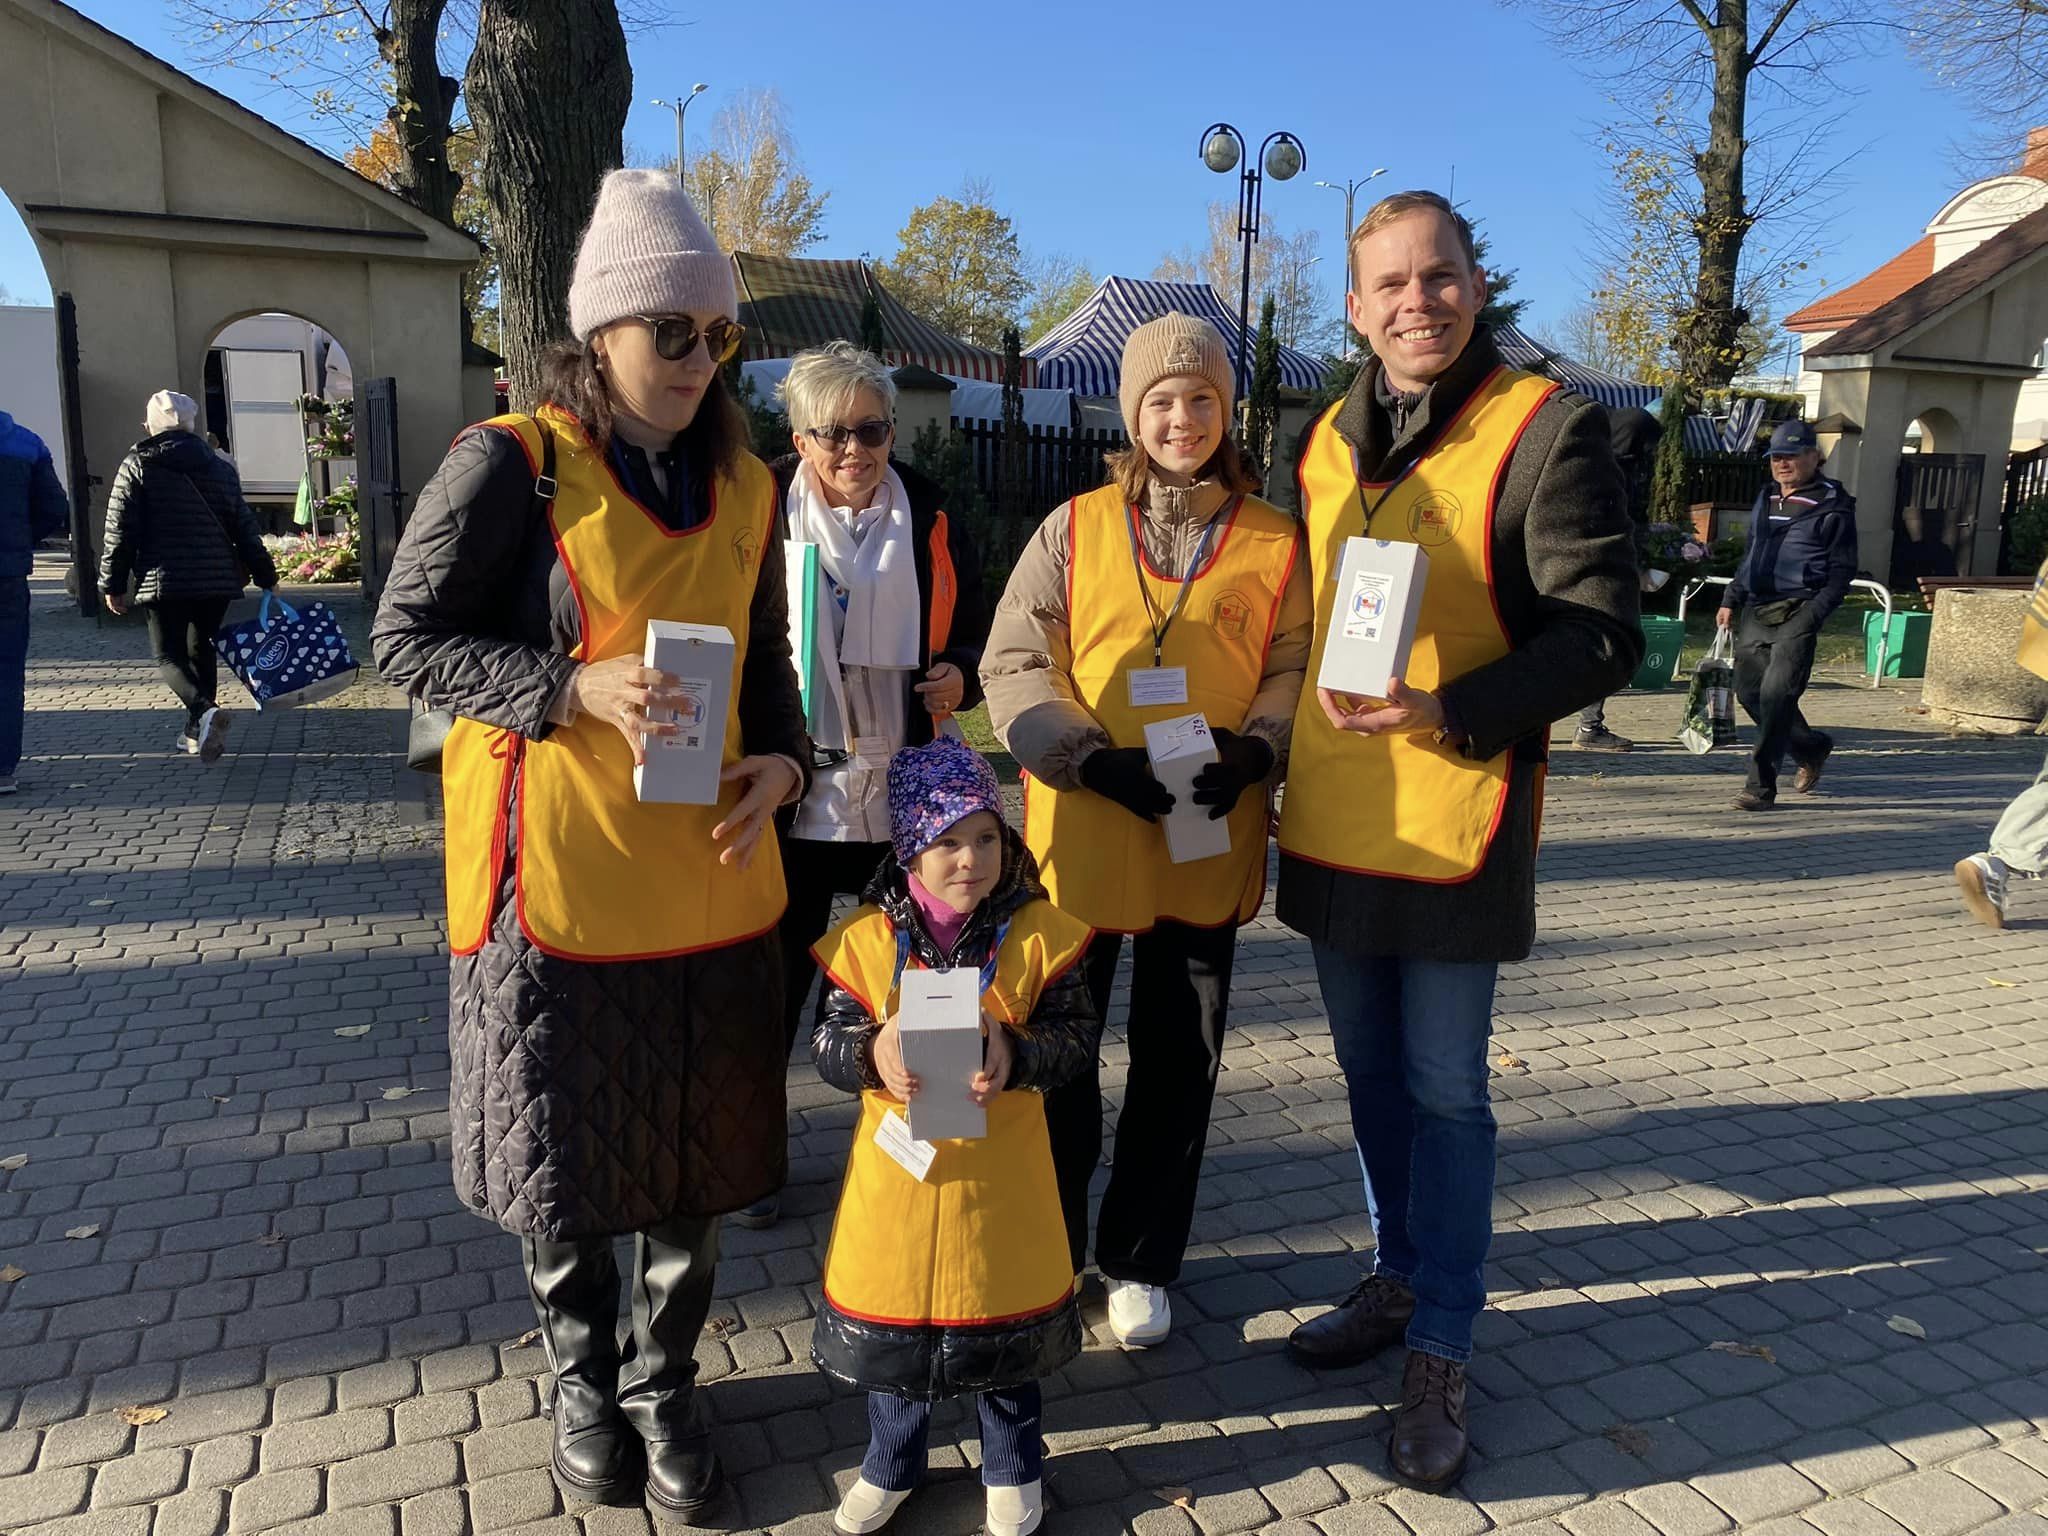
pixel 165 210
pixel 1939 432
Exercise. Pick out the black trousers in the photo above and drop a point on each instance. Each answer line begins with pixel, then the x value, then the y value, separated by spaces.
pixel 652 1380
pixel 1773 663
pixel 1180 1001
pixel 815 872
pixel 181 642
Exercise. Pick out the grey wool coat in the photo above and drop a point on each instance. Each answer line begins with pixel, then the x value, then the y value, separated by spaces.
pixel 1565 579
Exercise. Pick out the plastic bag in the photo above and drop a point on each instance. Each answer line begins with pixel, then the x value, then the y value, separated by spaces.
pixel 1709 719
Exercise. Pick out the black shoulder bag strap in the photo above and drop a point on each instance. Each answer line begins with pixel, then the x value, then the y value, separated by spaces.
pixel 427 732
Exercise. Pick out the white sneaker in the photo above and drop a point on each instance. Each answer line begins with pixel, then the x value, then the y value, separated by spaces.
pixel 1015 1511
pixel 212 735
pixel 866 1507
pixel 1982 882
pixel 187 743
pixel 1138 1313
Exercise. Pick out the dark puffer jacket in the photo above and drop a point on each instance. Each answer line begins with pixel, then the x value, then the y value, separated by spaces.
pixel 1061 1039
pixel 176 521
pixel 585 1097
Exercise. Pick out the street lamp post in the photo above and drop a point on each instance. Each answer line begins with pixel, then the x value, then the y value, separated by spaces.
pixel 679 108
pixel 1350 191
pixel 1283 158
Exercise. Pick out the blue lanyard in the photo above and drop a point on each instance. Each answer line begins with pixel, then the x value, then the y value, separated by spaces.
pixel 1159 626
pixel 988 970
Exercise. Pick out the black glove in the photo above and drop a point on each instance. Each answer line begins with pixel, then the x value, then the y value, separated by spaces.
pixel 1241 762
pixel 1124 774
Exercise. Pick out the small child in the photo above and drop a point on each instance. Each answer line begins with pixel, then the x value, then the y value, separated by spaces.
pixel 956 1280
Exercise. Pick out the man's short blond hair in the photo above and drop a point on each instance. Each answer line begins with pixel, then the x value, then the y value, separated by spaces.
pixel 1398 206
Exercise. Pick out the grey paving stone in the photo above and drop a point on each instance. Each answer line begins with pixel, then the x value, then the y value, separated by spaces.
pixel 334 1437
pixel 394 1474
pixel 1935 1503
pixel 38 1496
pixel 511 1499
pixel 274 1499
pixel 143 1478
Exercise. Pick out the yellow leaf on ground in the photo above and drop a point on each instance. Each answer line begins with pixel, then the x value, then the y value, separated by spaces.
pixel 1999 981
pixel 402 1093
pixel 220 1098
pixel 1752 1351
pixel 1627 1437
pixel 14 1161
pixel 526 1339
pixel 271 1239
pixel 353 1031
pixel 141 1416
pixel 91 1229
pixel 12 1273
pixel 1907 1326
pixel 1179 1497
pixel 1509 1061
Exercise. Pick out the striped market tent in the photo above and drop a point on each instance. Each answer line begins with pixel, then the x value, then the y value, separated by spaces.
pixel 1521 350
pixel 788 303
pixel 1084 351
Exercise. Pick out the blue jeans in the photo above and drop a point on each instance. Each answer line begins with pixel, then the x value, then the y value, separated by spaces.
pixel 13 669
pixel 899 1430
pixel 1411 1036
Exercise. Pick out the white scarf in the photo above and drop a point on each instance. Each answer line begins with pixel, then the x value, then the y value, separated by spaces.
pixel 871 555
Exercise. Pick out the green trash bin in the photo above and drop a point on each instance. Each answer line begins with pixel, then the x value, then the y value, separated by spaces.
pixel 1662 640
pixel 1905 643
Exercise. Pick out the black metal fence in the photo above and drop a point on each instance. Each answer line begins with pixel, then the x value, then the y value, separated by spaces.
pixel 1724 479
pixel 1058 462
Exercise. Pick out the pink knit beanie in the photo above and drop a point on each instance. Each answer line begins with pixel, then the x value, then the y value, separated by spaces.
pixel 647 253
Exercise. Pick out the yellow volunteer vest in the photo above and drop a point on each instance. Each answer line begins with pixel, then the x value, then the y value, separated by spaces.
pixel 980 1239
pixel 1403 805
pixel 1099 861
pixel 2033 654
pixel 599 875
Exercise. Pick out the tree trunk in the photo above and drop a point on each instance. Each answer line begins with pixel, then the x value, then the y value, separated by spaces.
pixel 549 85
pixel 422 108
pixel 1709 353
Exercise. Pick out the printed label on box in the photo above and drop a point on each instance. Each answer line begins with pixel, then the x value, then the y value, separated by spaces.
pixel 1367 608
pixel 692 715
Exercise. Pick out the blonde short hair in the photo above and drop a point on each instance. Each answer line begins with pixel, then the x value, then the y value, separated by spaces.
pixel 1398 206
pixel 823 381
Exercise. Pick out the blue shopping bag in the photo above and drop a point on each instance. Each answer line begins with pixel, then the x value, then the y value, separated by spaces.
pixel 289 658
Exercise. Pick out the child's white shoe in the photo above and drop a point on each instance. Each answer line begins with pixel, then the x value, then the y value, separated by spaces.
pixel 1138 1314
pixel 1015 1511
pixel 867 1508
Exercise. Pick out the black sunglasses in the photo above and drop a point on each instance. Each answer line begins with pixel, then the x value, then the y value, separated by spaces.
pixel 872 434
pixel 676 336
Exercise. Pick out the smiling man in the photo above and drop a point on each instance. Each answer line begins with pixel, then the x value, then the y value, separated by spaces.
pixel 1408 842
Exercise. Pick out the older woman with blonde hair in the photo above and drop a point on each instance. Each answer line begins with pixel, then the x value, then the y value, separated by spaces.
pixel 895 636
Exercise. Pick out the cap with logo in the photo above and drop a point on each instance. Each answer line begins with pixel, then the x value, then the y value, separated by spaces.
pixel 1790 437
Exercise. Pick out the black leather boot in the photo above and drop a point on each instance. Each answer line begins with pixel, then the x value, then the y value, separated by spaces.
pixel 1374 1315
pixel 672 1273
pixel 575 1289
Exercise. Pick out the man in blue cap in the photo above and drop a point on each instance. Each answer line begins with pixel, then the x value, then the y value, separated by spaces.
pixel 1797 570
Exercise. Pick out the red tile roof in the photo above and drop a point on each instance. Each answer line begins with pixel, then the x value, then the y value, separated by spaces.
pixel 1912 265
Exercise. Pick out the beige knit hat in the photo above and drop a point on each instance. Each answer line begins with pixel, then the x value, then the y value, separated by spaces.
pixel 169 411
pixel 646 253
pixel 1159 349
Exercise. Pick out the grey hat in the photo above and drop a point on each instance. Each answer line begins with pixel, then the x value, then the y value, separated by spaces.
pixel 646 252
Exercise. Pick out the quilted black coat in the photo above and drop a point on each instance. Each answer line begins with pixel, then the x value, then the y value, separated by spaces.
pixel 178 524
pixel 585 1097
pixel 908 1360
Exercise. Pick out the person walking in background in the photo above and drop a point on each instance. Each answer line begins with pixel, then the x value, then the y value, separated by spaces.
pixel 1634 432
pixel 1794 575
pixel 1408 840
pixel 2019 843
pixel 898 627
pixel 1171 589
pixel 33 508
pixel 615 987
pixel 178 526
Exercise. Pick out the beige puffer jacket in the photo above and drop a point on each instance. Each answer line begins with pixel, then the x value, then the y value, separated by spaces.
pixel 1024 668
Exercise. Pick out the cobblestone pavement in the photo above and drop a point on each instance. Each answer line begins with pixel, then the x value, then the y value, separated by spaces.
pixel 1773 1205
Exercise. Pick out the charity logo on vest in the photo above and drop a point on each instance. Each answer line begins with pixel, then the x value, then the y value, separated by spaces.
pixel 1435 519
pixel 746 549
pixel 1231 614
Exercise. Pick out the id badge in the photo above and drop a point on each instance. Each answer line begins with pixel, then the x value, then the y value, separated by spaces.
pixel 1155 686
pixel 871 753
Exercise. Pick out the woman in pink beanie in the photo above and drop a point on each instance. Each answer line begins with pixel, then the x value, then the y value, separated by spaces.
pixel 615 1005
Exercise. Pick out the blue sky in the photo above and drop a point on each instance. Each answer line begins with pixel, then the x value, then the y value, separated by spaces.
pixel 1084 118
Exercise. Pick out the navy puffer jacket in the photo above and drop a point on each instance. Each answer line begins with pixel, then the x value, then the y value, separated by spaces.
pixel 177 523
